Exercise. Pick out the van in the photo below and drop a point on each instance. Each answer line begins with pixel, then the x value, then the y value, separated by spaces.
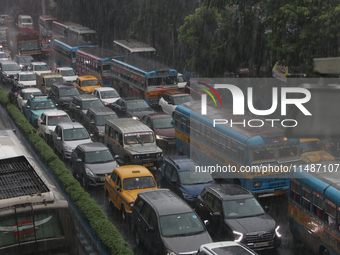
pixel 165 224
pixel 25 21
pixel 133 142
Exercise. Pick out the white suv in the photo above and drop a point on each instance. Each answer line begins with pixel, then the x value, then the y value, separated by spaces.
pixel 68 73
pixel 39 68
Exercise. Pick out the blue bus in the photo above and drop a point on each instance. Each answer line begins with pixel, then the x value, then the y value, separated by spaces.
pixel 257 158
pixel 144 77
pixel 64 51
pixel 95 61
pixel 314 207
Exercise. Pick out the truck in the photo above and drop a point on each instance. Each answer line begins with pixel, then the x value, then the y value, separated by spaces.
pixel 23 41
pixel 45 81
pixel 35 217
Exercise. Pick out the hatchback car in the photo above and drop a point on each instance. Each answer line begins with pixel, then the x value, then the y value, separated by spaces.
pixel 131 107
pixel 62 94
pixel 170 100
pixel 233 213
pixel 81 103
pixel 107 95
pixel 47 122
pixel 39 68
pixel 162 125
pixel 123 185
pixel 224 248
pixel 165 224
pixel 23 61
pixel 178 174
pixel 7 70
pixel 68 73
pixel 94 121
pixel 35 106
pixel 25 94
pixel 67 136
pixel 90 162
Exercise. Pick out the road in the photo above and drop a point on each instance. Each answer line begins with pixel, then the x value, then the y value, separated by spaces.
pixel 277 205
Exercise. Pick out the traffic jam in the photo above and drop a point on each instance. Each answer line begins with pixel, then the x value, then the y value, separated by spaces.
pixel 139 138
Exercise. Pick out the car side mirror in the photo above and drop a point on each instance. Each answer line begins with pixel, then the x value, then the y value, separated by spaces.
pixel 28 107
pixel 173 181
pixel 78 107
pixel 78 160
pixel 216 214
pixel 151 230
pixel 266 208
pixel 206 222
pixel 58 138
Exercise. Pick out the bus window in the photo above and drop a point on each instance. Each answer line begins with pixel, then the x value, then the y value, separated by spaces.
pixel 295 190
pixel 222 142
pixel 317 205
pixel 214 139
pixel 240 155
pixel 305 202
pixel 330 211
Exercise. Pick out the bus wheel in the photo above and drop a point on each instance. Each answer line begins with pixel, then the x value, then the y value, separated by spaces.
pixel 325 252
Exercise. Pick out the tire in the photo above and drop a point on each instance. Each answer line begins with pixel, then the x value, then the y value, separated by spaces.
pixel 325 252
pixel 84 183
pixel 137 238
pixel 73 171
pixel 108 199
pixel 123 213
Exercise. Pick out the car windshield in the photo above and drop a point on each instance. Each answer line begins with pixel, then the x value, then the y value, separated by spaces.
pixel 163 123
pixel 41 67
pixel 100 119
pixel 182 99
pixel 240 208
pixel 68 92
pixel 138 104
pixel 139 138
pixel 55 120
pixel 10 67
pixel 194 177
pixel 109 94
pixel 25 59
pixel 75 134
pixel 90 83
pixel 68 72
pixel 27 77
pixel 139 183
pixel 28 20
pixel 91 104
pixel 98 157
pixel 42 105
pixel 184 224
pixel 311 146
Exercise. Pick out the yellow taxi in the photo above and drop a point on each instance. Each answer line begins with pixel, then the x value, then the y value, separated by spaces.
pixel 123 185
pixel 86 84
pixel 313 151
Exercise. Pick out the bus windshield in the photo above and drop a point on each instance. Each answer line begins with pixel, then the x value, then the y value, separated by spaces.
pixel 169 80
pixel 263 154
pixel 311 146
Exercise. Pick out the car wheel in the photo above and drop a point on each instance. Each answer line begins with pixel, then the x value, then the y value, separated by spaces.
pixel 137 238
pixel 73 171
pixel 84 183
pixel 123 213
pixel 108 199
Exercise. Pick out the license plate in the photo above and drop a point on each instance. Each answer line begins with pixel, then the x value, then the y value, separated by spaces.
pixel 261 244
pixel 102 179
pixel 171 142
pixel 278 193
pixel 148 164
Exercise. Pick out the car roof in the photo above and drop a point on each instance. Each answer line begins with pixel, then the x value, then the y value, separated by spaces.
pixel 70 125
pixel 86 97
pixel 229 191
pixel 64 84
pixel 102 110
pixel 96 146
pixel 30 90
pixel 132 171
pixel 104 89
pixel 87 77
pixel 165 202
pixel 40 98
pixel 8 62
pixel 182 163
pixel 55 113
pixel 158 115
pixel 38 63
pixel 129 125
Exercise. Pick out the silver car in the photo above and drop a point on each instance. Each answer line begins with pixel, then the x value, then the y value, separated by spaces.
pixel 67 136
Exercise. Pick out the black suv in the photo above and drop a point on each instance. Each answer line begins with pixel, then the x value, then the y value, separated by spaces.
pixel 94 121
pixel 165 224
pixel 230 212
pixel 62 94
pixel 131 107
pixel 81 103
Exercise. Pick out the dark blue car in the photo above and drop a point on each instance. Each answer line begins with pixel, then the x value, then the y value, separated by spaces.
pixel 178 174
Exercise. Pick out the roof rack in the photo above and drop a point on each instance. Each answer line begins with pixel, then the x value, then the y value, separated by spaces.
pixel 20 184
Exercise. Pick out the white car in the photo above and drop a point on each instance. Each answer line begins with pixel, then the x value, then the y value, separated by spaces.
pixel 68 73
pixel 2 18
pixel 25 80
pixel 25 94
pixel 48 120
pixel 225 247
pixel 170 100
pixel 181 81
pixel 107 95
pixel 39 68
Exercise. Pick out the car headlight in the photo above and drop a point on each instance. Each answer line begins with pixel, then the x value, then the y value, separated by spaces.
pixel 257 184
pixel 238 236
pixel 88 172
pixel 135 118
pixel 7 75
pixel 160 137
pixel 277 231
pixel 170 252
pixel 68 148
pixel 159 155
pixel 135 157
pixel 106 103
pixel 131 203
pixel 188 196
